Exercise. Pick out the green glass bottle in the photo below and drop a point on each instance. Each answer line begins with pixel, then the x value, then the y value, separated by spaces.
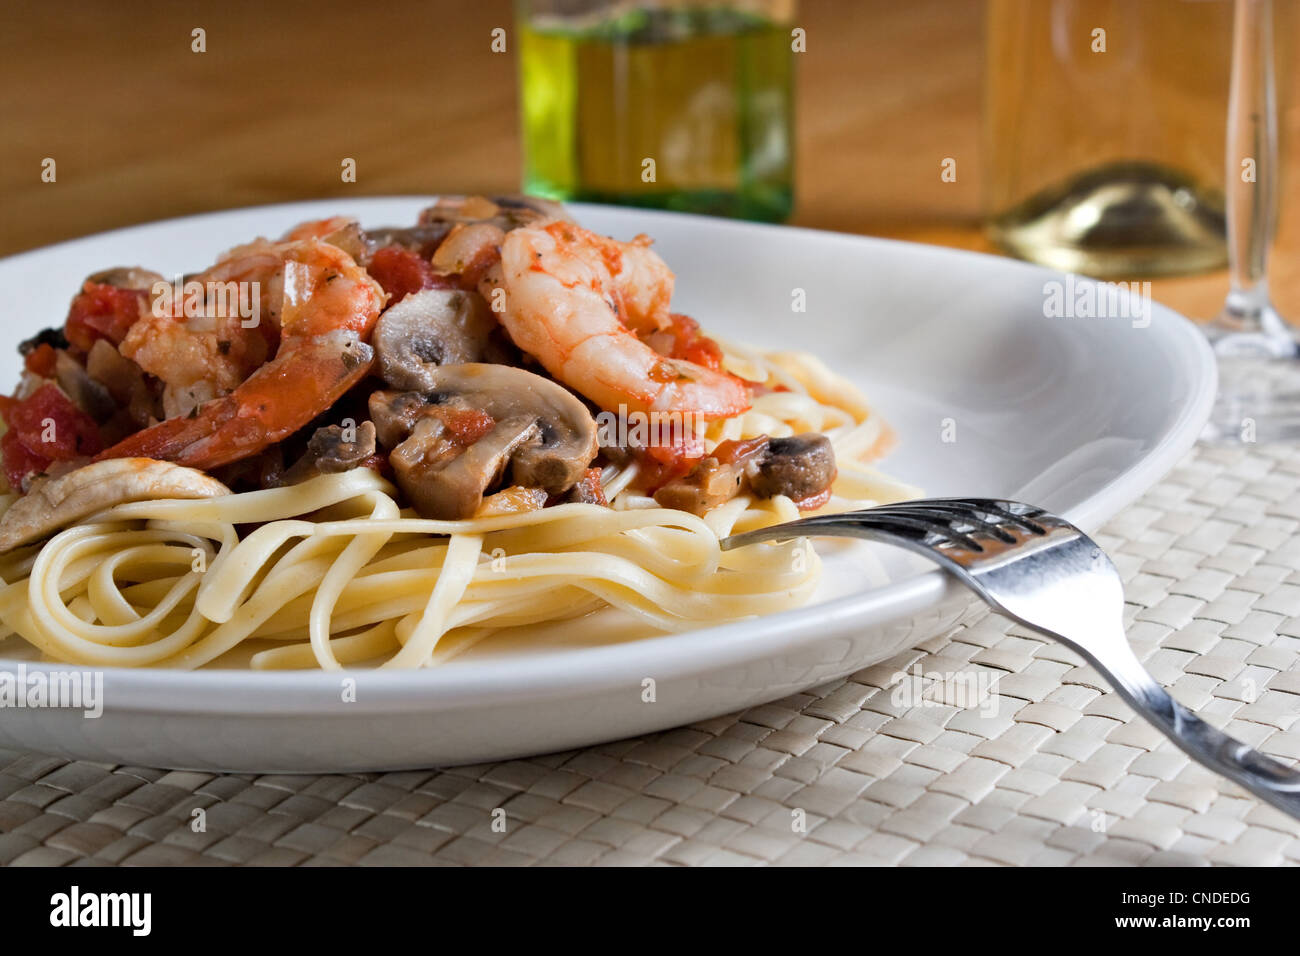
pixel 674 105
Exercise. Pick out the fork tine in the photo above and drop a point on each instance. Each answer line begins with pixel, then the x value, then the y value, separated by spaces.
pixel 1026 519
pixel 901 520
pixel 886 522
pixel 951 514
pixel 937 516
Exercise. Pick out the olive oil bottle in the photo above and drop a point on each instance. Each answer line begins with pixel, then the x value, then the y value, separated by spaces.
pixel 671 105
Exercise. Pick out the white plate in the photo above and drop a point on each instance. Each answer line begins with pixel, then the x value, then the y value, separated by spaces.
pixel 1080 415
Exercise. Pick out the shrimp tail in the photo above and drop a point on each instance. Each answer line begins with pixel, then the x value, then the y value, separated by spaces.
pixel 268 407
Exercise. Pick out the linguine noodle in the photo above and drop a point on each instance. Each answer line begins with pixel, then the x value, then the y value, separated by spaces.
pixel 332 573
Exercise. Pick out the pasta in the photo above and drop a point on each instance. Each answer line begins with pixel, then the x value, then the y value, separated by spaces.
pixel 336 575
pixel 407 559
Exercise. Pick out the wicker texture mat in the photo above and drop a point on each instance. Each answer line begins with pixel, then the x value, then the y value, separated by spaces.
pixel 1039 765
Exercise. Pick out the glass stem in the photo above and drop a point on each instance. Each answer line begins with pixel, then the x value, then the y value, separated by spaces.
pixel 1251 172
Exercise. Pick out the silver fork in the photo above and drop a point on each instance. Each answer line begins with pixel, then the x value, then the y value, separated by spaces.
pixel 1048 575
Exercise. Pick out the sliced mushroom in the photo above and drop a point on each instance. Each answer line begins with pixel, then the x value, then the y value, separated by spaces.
pixel 331 450
pixel 90 396
pixel 542 430
pixel 125 382
pixel 798 467
pixel 522 210
pixel 427 329
pixel 566 442
pixel 504 212
pixel 709 484
pixel 445 480
pixel 714 479
pixel 55 503
pixel 394 415
pixel 127 277
pixel 422 239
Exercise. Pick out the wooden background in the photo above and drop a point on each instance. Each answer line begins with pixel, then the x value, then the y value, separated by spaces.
pixel 142 128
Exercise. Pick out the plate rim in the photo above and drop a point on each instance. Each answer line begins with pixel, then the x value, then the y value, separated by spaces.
pixel 667 656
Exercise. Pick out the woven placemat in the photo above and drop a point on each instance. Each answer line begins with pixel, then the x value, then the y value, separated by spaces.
pixel 1040 765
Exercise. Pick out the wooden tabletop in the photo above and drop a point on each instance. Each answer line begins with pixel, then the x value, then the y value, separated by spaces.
pixel 142 127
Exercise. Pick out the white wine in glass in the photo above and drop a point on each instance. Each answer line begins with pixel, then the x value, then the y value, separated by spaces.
pixel 1104 131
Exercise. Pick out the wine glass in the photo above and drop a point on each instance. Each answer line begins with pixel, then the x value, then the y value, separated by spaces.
pixel 1258 354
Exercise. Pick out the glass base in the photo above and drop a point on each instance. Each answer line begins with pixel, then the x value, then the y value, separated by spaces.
pixel 1259 380
pixel 1119 221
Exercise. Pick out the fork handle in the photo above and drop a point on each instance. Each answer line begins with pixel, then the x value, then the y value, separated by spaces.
pixel 1263 776
pixel 1107 650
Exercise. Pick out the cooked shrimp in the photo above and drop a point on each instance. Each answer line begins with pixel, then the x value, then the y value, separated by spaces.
pixel 199 357
pixel 342 231
pixel 321 304
pixel 575 300
pixel 472 245
pixel 319 228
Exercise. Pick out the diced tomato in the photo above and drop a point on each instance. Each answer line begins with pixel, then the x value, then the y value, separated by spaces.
pixel 40 360
pixel 102 311
pixel 379 465
pixel 590 489
pixel 45 427
pixel 739 450
pixel 467 425
pixel 692 345
pixel 401 272
pixel 48 423
pixel 673 441
pixel 654 473
pixel 676 454
pixel 19 461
